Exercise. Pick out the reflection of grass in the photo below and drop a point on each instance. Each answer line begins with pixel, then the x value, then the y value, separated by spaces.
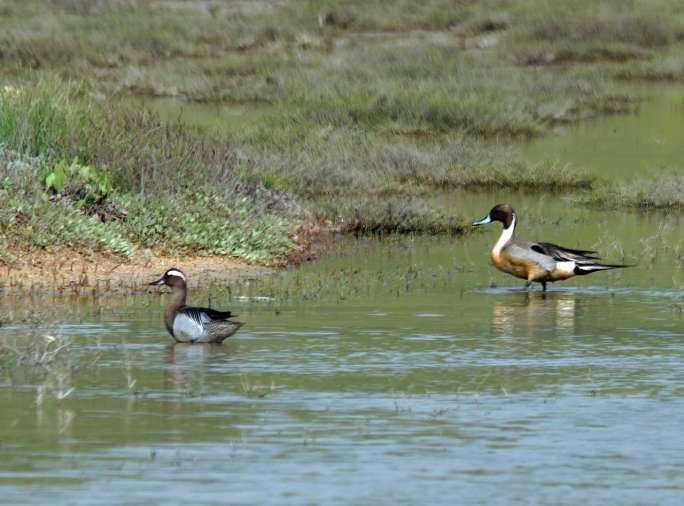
pixel 255 390
pixel 47 362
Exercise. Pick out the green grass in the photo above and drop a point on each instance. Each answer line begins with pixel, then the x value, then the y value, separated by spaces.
pixel 156 203
pixel 206 222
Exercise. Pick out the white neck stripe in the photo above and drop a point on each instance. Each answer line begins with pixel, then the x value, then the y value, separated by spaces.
pixel 505 237
pixel 176 273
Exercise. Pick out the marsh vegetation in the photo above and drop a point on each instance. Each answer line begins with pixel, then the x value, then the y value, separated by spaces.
pixel 214 130
pixel 347 116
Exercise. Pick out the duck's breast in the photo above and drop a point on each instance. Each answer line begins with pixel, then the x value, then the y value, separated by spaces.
pixel 189 329
pixel 512 265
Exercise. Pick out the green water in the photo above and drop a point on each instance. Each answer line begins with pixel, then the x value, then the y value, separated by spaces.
pixel 225 118
pixel 625 146
pixel 396 371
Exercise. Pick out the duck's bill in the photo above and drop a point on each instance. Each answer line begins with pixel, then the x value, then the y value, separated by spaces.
pixel 158 282
pixel 483 221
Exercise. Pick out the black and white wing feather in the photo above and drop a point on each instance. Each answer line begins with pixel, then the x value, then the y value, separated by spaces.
pixel 562 254
pixel 583 261
pixel 204 314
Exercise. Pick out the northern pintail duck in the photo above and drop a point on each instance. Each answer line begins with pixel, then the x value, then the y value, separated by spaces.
pixel 193 324
pixel 541 262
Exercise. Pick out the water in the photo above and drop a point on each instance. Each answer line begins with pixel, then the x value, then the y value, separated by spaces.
pixel 624 147
pixel 404 371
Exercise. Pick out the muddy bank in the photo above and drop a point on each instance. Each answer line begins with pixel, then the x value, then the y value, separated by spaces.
pixel 69 272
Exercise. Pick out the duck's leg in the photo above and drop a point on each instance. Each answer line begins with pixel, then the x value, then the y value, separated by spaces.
pixel 543 283
pixel 528 284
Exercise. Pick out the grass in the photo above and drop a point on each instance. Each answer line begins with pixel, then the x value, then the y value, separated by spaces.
pixel 249 201
pixel 206 222
pixel 393 215
pixel 155 183
pixel 581 31
pixel 668 67
pixel 342 162
pixel 666 193
pixel 356 112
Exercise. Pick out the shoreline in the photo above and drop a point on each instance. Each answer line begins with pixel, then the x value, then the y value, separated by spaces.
pixel 67 272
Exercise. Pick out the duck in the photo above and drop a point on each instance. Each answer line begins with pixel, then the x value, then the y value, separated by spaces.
pixel 193 324
pixel 540 262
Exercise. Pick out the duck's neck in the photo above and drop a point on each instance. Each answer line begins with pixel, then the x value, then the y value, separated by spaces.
pixel 506 236
pixel 177 301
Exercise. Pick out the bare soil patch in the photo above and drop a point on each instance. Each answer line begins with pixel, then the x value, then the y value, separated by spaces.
pixel 66 271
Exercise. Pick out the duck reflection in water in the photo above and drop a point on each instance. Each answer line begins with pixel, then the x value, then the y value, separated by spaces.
pixel 187 365
pixel 535 313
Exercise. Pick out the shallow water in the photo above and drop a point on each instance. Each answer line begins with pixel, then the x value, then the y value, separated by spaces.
pixel 390 371
pixel 623 147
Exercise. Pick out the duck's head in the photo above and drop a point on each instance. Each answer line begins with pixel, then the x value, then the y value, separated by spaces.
pixel 172 277
pixel 500 212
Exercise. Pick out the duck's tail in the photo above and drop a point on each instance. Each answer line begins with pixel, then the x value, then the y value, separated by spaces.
pixel 582 269
pixel 220 330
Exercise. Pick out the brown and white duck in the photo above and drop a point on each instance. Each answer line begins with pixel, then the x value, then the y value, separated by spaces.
pixel 539 262
pixel 193 324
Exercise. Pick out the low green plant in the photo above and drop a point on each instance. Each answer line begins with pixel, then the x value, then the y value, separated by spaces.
pixel 83 184
pixel 33 222
pixel 206 222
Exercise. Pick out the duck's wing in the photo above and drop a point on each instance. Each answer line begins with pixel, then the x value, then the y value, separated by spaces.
pixel 562 254
pixel 219 330
pixel 522 253
pixel 205 314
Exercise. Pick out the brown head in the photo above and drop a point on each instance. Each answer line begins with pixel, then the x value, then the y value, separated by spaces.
pixel 173 278
pixel 176 280
pixel 500 212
